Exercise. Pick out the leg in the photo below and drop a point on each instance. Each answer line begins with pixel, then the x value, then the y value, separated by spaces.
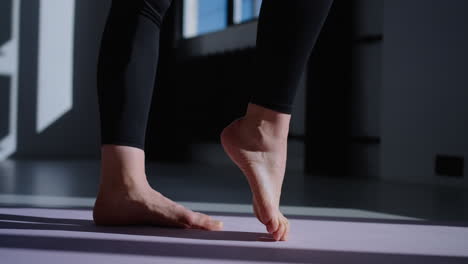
pixel 126 72
pixel 257 143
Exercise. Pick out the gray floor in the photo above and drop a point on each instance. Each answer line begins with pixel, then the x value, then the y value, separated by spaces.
pixel 45 214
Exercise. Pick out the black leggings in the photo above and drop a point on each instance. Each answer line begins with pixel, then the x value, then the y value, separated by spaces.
pixel 287 31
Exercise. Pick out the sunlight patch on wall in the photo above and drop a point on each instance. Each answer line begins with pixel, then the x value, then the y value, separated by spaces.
pixel 190 21
pixel 55 62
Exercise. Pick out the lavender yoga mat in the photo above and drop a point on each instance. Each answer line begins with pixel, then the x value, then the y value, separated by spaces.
pixel 33 235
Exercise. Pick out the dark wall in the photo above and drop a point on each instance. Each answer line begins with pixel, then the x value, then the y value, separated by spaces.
pixel 425 88
pixel 196 99
pixel 401 113
pixel 203 84
pixel 329 81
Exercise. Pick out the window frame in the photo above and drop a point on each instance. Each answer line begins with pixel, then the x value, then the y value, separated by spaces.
pixel 229 23
pixel 234 37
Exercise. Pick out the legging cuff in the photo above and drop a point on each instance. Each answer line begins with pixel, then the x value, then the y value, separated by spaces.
pixel 285 109
pixel 124 143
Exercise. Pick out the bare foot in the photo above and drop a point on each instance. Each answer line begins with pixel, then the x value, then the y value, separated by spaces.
pixel 147 206
pixel 257 144
pixel 126 198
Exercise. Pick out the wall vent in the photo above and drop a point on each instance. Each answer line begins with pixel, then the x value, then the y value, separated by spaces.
pixel 451 166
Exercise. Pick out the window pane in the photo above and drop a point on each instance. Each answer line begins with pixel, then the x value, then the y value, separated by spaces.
pixel 249 9
pixel 212 15
pixel 203 16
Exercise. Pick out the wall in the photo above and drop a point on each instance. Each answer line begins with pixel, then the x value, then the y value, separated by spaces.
pixel 75 134
pixel 425 88
pixel 364 93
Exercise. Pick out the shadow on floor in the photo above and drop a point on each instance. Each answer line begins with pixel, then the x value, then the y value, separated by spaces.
pixel 185 250
pixel 76 225
pixel 354 219
pixel 220 252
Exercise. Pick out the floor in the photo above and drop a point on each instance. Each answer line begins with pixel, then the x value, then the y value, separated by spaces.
pixel 64 235
pixel 45 217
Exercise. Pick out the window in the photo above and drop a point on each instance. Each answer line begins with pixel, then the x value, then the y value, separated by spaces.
pixel 245 10
pixel 204 16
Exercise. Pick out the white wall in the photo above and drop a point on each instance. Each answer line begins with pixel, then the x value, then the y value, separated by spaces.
pixel 425 88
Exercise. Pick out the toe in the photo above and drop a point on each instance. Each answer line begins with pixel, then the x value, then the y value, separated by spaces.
pixel 184 217
pixel 190 219
pixel 215 225
pixel 273 225
pixel 286 230
pixel 280 232
pixel 211 224
pixel 203 221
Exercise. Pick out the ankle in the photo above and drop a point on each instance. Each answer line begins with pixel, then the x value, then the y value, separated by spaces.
pixel 122 168
pixel 266 123
pixel 123 184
